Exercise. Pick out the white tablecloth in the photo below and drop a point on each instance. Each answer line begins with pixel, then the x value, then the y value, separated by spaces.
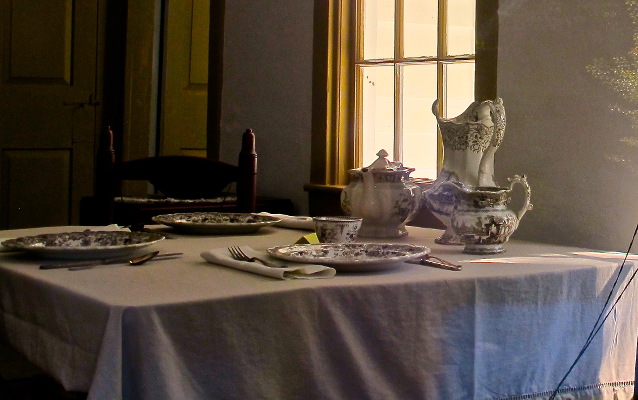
pixel 187 329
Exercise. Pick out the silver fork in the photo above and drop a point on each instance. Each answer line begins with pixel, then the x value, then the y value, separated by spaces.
pixel 238 254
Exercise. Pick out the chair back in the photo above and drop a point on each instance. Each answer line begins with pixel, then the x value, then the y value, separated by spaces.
pixel 178 177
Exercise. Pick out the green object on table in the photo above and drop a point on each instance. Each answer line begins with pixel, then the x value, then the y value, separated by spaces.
pixel 310 238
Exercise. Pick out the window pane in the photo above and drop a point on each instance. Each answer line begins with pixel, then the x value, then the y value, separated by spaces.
pixel 378 29
pixel 460 88
pixel 415 122
pixel 377 118
pixel 420 25
pixel 419 124
pixel 460 27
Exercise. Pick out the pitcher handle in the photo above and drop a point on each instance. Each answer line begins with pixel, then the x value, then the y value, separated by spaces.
pixel 527 205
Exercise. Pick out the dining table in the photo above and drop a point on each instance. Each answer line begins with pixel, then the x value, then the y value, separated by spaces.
pixel 506 326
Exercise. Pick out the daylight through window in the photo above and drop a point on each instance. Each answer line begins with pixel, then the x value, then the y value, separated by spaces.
pixel 409 53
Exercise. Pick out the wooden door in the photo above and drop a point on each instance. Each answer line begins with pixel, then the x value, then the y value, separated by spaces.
pixel 48 103
pixel 185 75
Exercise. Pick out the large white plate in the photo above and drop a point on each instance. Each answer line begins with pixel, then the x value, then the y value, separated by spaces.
pixel 351 256
pixel 216 222
pixel 83 245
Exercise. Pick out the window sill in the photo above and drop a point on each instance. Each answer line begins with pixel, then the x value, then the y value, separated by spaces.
pixel 324 199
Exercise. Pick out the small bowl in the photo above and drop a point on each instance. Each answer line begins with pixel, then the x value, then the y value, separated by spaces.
pixel 337 229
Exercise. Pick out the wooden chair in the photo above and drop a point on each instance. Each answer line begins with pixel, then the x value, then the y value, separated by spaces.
pixel 188 183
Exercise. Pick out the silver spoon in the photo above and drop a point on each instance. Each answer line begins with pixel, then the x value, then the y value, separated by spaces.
pixel 143 258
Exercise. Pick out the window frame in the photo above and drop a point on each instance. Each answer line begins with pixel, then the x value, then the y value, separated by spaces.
pixel 334 145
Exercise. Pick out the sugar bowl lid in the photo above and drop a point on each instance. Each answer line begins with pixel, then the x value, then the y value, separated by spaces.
pixel 383 164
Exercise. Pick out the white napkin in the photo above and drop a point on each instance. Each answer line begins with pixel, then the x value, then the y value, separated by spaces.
pixel 293 221
pixel 290 270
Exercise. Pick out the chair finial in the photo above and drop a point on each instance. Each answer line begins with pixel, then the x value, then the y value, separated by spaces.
pixel 248 142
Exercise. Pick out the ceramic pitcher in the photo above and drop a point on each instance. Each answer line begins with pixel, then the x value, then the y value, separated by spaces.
pixel 383 196
pixel 469 143
pixel 482 218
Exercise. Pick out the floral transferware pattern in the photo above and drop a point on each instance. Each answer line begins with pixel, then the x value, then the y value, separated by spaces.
pixel 216 222
pixel 351 256
pixel 84 244
pixel 337 229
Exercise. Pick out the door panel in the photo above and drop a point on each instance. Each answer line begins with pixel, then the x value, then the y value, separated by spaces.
pixel 48 96
pixel 184 101
pixel 46 55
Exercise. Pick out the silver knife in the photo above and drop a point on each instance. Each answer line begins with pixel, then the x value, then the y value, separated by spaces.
pixel 105 261
pixel 436 264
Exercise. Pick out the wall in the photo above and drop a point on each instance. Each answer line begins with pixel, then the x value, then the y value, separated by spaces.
pixel 564 128
pixel 268 87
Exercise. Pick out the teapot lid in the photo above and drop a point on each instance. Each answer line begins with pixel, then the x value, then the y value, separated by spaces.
pixel 382 163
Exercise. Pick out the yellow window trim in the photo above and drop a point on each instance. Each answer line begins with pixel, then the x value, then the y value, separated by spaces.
pixel 333 92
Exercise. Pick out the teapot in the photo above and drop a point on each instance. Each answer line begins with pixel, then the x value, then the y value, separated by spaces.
pixel 383 196
pixel 481 218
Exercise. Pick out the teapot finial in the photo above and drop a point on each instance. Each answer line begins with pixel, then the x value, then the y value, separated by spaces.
pixel 381 162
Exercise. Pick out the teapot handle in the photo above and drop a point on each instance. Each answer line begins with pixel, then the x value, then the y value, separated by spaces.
pixel 527 205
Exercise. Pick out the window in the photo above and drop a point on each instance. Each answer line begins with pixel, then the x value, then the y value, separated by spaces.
pixel 410 53
pixel 380 66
